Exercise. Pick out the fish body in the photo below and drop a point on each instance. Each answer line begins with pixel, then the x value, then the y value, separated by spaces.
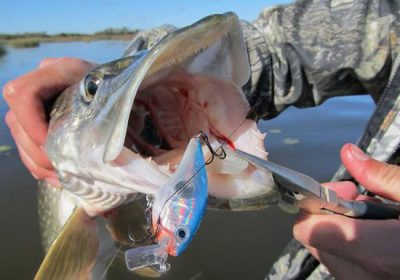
pixel 176 212
pixel 123 128
pixel 54 206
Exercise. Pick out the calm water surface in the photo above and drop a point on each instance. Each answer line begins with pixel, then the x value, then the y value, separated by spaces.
pixel 228 245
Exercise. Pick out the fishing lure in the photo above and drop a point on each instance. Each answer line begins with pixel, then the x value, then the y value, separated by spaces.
pixel 177 211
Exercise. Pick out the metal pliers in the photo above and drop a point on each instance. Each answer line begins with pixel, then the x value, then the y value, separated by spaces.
pixel 308 194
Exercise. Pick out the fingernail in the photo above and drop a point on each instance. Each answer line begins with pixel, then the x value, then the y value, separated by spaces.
pixel 357 153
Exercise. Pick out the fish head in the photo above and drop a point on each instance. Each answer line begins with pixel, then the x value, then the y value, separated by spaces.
pixel 124 127
pixel 84 124
pixel 86 115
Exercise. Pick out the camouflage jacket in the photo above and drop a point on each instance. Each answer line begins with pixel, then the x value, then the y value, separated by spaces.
pixel 306 52
pixel 314 50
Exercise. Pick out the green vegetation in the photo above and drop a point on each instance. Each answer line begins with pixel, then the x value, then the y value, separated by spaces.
pixel 25 43
pixel 3 51
pixel 33 39
pixel 115 31
pixel 4 37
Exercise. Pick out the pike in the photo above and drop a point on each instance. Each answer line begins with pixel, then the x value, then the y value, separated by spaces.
pixel 122 130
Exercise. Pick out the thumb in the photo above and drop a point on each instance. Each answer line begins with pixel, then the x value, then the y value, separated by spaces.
pixel 378 177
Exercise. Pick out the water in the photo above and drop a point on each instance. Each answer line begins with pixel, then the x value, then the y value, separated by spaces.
pixel 228 245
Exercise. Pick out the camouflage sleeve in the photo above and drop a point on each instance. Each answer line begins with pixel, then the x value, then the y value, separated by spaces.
pixel 306 52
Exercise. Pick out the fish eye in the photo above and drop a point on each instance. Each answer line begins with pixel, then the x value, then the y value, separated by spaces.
pixel 91 85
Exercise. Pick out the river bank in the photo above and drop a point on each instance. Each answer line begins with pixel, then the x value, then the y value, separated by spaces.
pixel 30 40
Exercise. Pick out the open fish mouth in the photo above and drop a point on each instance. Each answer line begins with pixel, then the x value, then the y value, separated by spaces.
pixel 190 81
pixel 167 113
pixel 198 91
pixel 193 85
pixel 123 129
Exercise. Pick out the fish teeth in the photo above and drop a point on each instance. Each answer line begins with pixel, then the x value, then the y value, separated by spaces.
pixel 258 134
pixel 134 149
pixel 264 153
pixel 165 168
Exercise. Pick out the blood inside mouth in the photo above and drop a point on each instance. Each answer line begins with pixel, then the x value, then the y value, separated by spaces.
pixel 166 115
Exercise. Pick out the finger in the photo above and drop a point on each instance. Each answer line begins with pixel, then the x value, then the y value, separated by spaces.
pixel 26 95
pixel 313 251
pixel 348 190
pixel 36 171
pixel 378 177
pixel 345 189
pixel 368 198
pixel 339 267
pixel 358 241
pixel 26 143
pixel 47 61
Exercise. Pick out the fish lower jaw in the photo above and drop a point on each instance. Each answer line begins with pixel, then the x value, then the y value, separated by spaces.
pixel 102 194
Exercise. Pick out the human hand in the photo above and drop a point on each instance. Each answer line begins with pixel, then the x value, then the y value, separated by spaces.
pixel 351 248
pixel 26 118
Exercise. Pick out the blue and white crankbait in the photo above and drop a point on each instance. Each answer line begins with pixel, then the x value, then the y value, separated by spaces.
pixel 177 211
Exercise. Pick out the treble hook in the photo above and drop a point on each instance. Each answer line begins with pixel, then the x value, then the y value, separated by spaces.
pixel 150 234
pixel 134 240
pixel 221 155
